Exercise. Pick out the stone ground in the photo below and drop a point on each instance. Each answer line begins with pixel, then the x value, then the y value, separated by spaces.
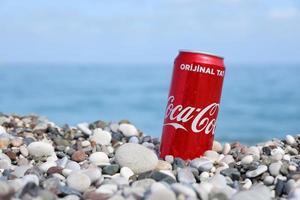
pixel 39 160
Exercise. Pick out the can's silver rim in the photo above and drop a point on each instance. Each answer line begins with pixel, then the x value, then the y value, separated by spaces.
pixel 202 52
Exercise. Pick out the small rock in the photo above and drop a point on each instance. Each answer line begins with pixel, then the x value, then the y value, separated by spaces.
pixel 2 130
pixel 16 142
pixel 128 130
pixel 46 165
pixel 226 148
pixel 228 159
pixel 137 157
pixel 247 160
pixel 254 173
pixel 185 190
pixel 233 173
pixel 295 194
pixel 72 165
pixel 217 146
pixel 134 139
pixel 169 159
pixel 5 162
pixel 20 170
pixel 274 168
pixel 126 172
pixel 161 192
pixel 247 184
pixel 203 164
pixel 4 142
pixel 85 143
pixel 186 176
pixel 107 189
pixel 218 181
pixel 259 192
pixel 111 169
pixel 24 151
pixel 211 155
pixel 268 180
pixel 101 137
pixel 99 158
pixel 253 151
pixel 84 128
pixel 279 187
pixel 40 149
pixel 163 165
pixel 144 183
pixel 290 140
pixel 94 173
pixel 78 181
pixel 79 156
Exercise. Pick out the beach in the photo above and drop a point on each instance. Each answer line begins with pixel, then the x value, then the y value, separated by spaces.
pixel 104 160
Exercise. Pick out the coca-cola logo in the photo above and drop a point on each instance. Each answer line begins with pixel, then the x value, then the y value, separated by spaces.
pixel 202 119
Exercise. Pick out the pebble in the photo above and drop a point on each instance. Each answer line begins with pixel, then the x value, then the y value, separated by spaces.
pixel 217 146
pixel 72 165
pixel 259 192
pixel 16 142
pixel 126 172
pixel 269 180
pixel 254 173
pixel 99 158
pixel 134 139
pixel 161 192
pixel 4 142
pixel 111 169
pixel 274 168
pixel 46 165
pixel 253 150
pixel 107 189
pixel 290 139
pixel 186 176
pixel 94 173
pixel 39 149
pixel 78 181
pixel 2 130
pixel 20 170
pixel 203 164
pixel 84 127
pixel 163 165
pixel 137 157
pixel 128 130
pixel 169 159
pixel 247 160
pixel 79 156
pixel 24 151
pixel 233 173
pixel 212 155
pixel 5 162
pixel 247 184
pixel 228 159
pixel 85 143
pixel 226 148
pixel 101 137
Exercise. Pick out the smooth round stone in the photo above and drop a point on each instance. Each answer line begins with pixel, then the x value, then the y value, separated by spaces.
pixel 107 189
pixel 228 159
pixel 78 181
pixel 268 180
pixel 226 148
pixel 5 162
pixel 290 139
pixel 40 149
pixel 186 176
pixel 204 176
pixel 211 155
pixel 85 143
pixel 128 130
pixel 126 172
pixel 72 165
pixel 84 128
pixel 185 190
pixel 46 165
pixel 203 164
pixel 20 170
pixel 253 151
pixel 101 137
pixel 79 156
pixel 217 146
pixel 137 157
pixel 24 151
pixel 292 168
pixel 247 160
pixel 169 159
pixel 134 139
pixel 163 165
pixel 218 181
pixel 94 173
pixel 99 158
pixel 160 191
pixel 274 168
pixel 254 173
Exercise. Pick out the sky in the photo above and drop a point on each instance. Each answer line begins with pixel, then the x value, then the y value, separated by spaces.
pixel 135 31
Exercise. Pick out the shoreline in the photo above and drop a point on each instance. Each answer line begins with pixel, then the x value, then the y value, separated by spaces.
pixel 100 160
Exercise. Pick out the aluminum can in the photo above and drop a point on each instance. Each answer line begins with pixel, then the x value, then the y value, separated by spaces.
pixel 193 104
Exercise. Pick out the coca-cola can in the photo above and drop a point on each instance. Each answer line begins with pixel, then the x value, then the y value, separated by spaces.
pixel 193 104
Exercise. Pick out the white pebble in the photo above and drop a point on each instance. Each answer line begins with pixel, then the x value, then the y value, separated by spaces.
pixel 30 178
pixel 46 165
pixel 94 173
pixel 226 148
pixel 217 146
pixel 254 173
pixel 126 172
pixel 78 181
pixel 2 130
pixel 247 184
pixel 84 127
pixel 24 151
pixel 107 189
pixel 40 149
pixel 292 168
pixel 128 130
pixel 253 150
pixel 85 143
pixel 99 158
pixel 268 180
pixel 211 155
pixel 247 160
pixel 274 168
pixel 290 140
pixel 101 137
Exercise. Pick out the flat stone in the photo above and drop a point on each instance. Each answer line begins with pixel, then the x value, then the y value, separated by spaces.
pixel 137 157
pixel 128 130
pixel 218 181
pixel 99 158
pixel 5 162
pixel 186 176
pixel 101 137
pixel 203 164
pixel 4 142
pixel 254 173
pixel 78 181
pixel 20 170
pixel 39 149
pixel 274 168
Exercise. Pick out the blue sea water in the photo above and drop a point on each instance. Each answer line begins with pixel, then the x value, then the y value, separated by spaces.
pixel 258 103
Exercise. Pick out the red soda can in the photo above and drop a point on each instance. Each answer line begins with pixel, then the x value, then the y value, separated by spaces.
pixel 193 104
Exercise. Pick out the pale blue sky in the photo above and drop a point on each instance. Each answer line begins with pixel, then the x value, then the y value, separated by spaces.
pixel 94 31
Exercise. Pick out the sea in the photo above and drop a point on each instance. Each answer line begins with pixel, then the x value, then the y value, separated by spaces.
pixel 259 102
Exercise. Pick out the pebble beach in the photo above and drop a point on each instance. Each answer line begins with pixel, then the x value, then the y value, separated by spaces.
pixel 104 160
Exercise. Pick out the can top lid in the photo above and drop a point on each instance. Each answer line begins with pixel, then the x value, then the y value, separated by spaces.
pixel 201 52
